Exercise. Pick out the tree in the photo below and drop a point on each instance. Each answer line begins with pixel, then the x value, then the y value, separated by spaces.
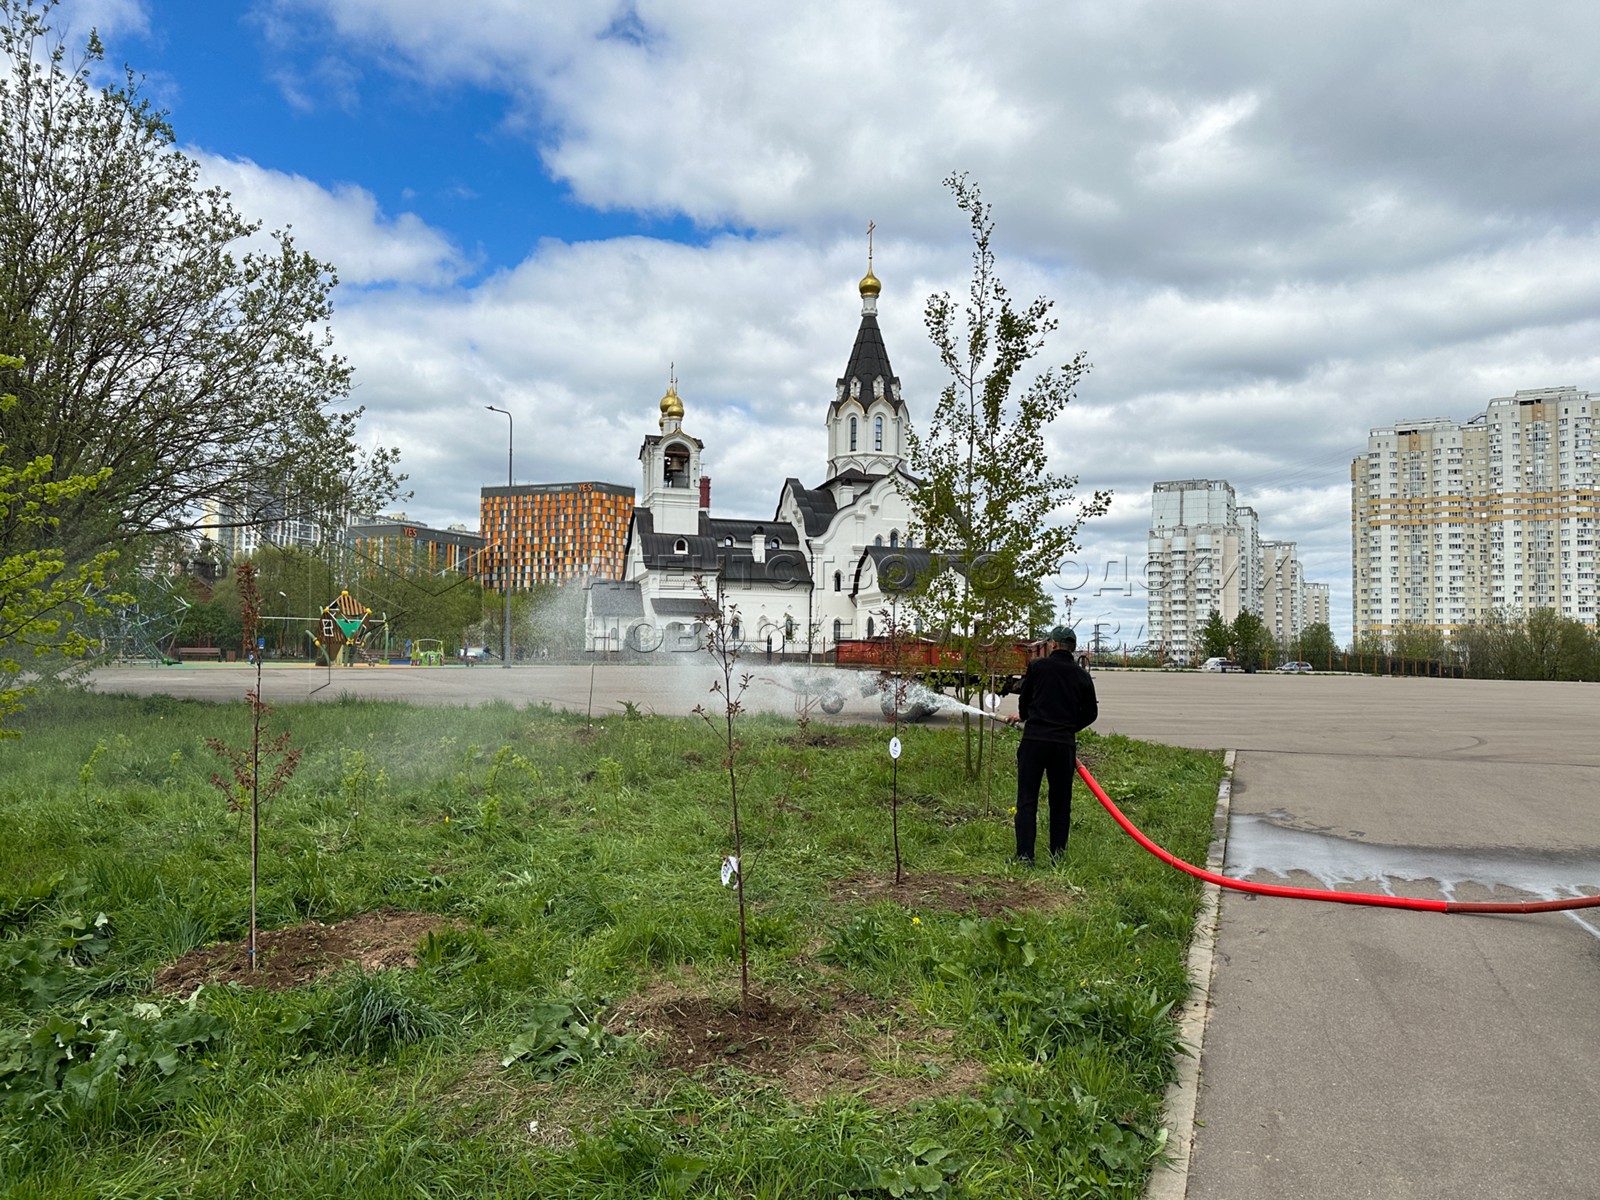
pixel 1216 637
pixel 1418 643
pixel 157 344
pixel 1250 639
pixel 1041 613
pixel 1315 644
pixel 982 496
pixel 39 595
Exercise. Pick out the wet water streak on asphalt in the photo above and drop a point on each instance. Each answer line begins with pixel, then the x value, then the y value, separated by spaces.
pixel 1258 844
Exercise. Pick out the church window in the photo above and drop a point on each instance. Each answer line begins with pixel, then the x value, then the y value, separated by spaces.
pixel 838 630
pixel 838 581
pixel 878 541
pixel 869 627
pixel 894 537
pixel 877 433
pixel 734 631
pixel 852 433
pixel 680 546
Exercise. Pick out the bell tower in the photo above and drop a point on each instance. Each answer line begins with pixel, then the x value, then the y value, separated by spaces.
pixel 671 464
pixel 867 420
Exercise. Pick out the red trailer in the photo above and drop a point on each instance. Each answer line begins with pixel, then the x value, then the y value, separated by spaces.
pixel 938 666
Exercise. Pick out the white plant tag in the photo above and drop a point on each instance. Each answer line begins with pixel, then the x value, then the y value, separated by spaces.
pixel 730 870
pixel 894 747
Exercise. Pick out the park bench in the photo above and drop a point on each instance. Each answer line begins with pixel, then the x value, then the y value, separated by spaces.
pixel 188 652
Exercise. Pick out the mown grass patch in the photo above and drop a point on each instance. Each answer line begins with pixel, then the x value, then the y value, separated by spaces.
pixel 1015 1046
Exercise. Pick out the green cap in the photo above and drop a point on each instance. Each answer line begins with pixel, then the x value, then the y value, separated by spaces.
pixel 1065 635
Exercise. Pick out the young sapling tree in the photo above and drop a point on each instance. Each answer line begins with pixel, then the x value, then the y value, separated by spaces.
pixel 721 643
pixel 246 788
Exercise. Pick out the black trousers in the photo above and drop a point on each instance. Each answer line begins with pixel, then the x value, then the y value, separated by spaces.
pixel 1036 762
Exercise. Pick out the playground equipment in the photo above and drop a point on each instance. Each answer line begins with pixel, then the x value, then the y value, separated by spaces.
pixel 427 652
pixel 141 629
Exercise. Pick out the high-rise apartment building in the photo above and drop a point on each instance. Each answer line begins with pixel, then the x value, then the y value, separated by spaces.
pixel 1204 555
pixel 241 527
pixel 1283 584
pixel 1319 605
pixel 554 532
pixel 1452 522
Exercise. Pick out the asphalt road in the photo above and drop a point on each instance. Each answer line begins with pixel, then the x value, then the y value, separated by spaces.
pixel 1349 1052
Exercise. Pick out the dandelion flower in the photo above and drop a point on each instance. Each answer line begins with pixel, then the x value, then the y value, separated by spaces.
pixel 916 920
pixel 1013 810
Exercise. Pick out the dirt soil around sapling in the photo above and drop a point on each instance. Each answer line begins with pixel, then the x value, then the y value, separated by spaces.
pixel 812 1046
pixel 302 954
pixel 981 895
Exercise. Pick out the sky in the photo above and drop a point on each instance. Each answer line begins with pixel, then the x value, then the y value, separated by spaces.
pixel 1270 227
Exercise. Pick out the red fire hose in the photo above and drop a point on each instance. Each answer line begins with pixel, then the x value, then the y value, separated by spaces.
pixel 1269 889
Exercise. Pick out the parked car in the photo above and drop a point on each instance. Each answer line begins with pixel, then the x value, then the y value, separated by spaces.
pixel 1303 668
pixel 1220 664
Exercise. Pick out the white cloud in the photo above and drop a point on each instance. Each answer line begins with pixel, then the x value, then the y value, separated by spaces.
pixel 110 18
pixel 343 225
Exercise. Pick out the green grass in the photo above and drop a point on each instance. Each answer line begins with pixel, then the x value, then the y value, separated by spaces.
pixel 580 868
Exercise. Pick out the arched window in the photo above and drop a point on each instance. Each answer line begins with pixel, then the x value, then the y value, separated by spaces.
pixel 894 537
pixel 869 626
pixel 852 433
pixel 877 433
pixel 878 541
pixel 838 581
pixel 680 546
pixel 733 631
pixel 838 630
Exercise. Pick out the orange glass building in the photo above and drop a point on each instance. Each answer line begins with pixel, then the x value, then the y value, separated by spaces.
pixel 555 532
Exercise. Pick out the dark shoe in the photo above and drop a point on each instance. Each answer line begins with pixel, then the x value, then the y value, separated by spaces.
pixel 1021 860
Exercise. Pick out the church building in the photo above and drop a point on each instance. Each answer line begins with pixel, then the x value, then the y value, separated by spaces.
pixel 814 572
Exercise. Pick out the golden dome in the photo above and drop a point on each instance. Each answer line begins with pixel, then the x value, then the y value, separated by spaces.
pixel 671 405
pixel 870 285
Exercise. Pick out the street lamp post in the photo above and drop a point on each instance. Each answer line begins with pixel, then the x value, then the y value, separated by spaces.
pixel 284 627
pixel 505 540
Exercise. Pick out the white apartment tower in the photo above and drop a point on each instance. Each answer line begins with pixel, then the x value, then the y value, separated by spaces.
pixel 1319 605
pixel 1204 554
pixel 1283 591
pixel 1451 522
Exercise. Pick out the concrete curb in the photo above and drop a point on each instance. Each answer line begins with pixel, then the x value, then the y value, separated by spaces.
pixel 1171 1181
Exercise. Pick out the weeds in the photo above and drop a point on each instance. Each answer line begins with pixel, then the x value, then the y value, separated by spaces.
pixel 560 1034
pixel 1060 1019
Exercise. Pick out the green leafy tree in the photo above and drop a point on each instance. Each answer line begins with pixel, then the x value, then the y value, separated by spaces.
pixel 39 593
pixel 1251 640
pixel 1315 644
pixel 1541 645
pixel 982 495
pixel 1216 637
pixel 164 357
pixel 1041 613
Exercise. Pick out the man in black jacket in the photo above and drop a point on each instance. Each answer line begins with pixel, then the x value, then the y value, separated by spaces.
pixel 1057 699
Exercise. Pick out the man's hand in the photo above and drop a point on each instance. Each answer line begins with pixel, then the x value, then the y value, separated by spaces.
pixel 1013 720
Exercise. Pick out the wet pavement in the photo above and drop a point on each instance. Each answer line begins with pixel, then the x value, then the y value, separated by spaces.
pixel 1348 1052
